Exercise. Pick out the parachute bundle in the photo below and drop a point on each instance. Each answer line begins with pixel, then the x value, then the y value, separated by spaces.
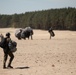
pixel 52 34
pixel 12 45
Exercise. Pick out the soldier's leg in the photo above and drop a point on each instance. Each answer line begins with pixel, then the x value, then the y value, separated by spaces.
pixel 31 37
pixel 11 59
pixel 28 37
pixel 5 59
pixel 50 35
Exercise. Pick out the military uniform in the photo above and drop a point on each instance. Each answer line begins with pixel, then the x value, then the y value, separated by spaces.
pixel 7 52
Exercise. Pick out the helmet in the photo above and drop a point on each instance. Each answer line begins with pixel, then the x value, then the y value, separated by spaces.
pixel 8 34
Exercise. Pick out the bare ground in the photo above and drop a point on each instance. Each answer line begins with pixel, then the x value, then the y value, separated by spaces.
pixel 42 56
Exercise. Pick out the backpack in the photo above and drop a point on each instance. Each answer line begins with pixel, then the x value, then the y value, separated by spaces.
pixel 12 46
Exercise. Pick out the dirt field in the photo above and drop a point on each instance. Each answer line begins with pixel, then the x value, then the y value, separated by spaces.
pixel 42 56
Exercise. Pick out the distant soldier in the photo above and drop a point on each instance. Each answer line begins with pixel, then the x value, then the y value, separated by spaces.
pixel 51 32
pixel 28 31
pixel 24 33
pixel 18 33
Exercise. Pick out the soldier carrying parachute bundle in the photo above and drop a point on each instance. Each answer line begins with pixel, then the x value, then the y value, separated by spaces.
pixel 24 33
pixel 8 47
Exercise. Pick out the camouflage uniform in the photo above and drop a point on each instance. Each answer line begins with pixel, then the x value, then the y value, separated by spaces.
pixel 7 51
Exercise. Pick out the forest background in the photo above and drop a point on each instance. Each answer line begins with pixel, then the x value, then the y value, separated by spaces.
pixel 58 19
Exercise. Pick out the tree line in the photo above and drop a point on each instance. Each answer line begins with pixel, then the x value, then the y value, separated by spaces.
pixel 58 19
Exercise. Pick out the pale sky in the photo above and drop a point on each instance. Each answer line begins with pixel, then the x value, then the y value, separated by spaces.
pixel 22 6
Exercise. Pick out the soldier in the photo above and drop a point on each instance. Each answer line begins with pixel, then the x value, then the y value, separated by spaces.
pixel 7 51
pixel 51 32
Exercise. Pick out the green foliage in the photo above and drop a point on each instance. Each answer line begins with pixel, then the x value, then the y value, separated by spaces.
pixel 59 19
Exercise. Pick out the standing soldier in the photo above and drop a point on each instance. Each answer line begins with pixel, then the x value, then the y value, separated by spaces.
pixel 51 32
pixel 7 51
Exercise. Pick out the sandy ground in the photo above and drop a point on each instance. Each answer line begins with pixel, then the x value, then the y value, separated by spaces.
pixel 42 56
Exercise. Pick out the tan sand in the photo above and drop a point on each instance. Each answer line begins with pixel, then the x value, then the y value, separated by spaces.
pixel 42 56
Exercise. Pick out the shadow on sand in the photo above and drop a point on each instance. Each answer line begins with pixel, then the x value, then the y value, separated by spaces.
pixel 22 67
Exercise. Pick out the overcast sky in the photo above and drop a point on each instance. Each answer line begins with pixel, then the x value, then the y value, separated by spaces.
pixel 22 6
